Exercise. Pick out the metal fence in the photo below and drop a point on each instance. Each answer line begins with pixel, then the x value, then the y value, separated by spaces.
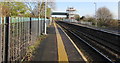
pixel 16 34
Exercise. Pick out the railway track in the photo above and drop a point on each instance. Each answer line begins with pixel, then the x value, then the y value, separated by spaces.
pixel 96 49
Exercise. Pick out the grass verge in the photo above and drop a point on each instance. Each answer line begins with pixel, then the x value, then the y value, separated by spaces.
pixel 31 49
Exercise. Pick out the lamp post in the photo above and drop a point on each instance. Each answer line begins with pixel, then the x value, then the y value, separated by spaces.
pixel 95 13
pixel 45 17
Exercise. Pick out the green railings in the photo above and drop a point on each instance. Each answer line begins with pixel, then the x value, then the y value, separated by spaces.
pixel 19 33
pixel 0 20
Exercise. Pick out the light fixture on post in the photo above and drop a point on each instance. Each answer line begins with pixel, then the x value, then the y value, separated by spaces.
pixel 95 14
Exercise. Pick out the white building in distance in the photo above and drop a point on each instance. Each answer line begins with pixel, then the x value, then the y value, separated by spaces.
pixel 71 12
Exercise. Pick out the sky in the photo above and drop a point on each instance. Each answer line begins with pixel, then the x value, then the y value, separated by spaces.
pixel 83 7
pixel 61 0
pixel 87 8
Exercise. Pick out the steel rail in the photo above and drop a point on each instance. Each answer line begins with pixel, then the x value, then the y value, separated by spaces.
pixel 89 45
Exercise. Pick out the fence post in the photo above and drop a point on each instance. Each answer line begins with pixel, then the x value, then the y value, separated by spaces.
pixel 0 39
pixel 30 25
pixel 30 31
pixel 50 20
pixel 6 40
pixel 38 28
pixel 41 26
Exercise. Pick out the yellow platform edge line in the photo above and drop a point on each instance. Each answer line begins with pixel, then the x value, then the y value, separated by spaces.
pixel 62 55
pixel 80 52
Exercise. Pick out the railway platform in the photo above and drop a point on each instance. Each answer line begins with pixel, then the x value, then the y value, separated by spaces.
pixel 58 47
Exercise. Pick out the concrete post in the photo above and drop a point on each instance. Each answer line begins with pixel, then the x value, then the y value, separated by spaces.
pixel 45 17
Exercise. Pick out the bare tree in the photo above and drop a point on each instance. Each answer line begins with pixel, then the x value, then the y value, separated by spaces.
pixel 90 19
pixel 52 4
pixel 0 9
pixel 104 16
pixel 38 8
pixel 77 17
